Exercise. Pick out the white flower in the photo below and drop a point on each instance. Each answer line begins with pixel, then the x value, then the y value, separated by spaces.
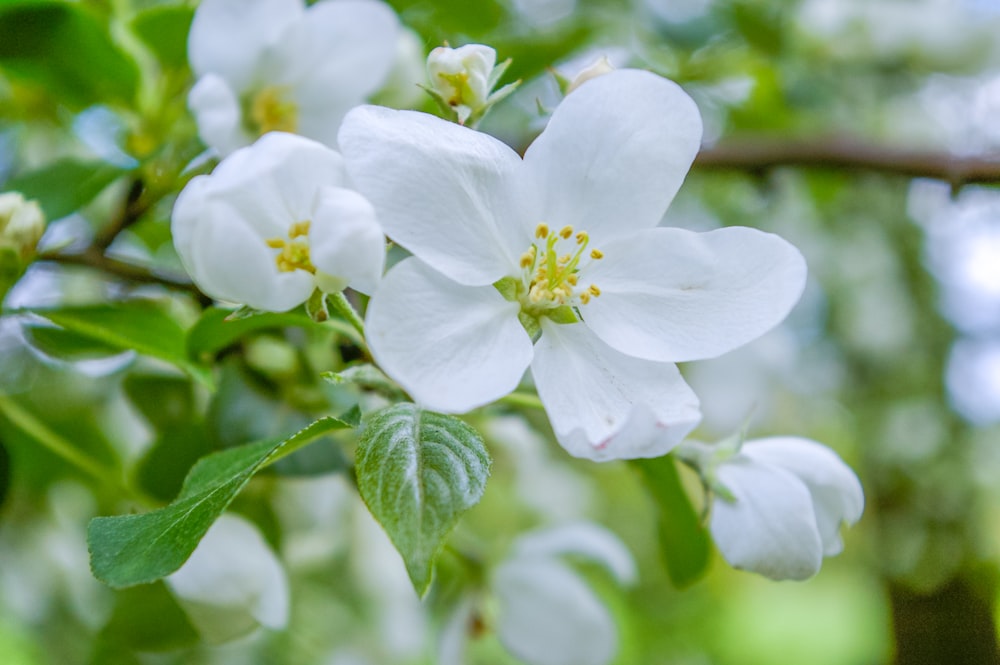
pixel 266 65
pixel 233 582
pixel 463 76
pixel 561 247
pixel 273 223
pixel 546 614
pixel 789 498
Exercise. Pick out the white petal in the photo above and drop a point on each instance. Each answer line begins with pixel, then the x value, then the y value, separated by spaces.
pixel 452 347
pixel 228 37
pixel 232 582
pixel 606 405
pixel 276 181
pixel 446 193
pixel 455 633
pixel 671 294
pixel 232 263
pixel 548 616
pixel 770 528
pixel 615 153
pixel 217 111
pixel 836 491
pixel 585 539
pixel 186 218
pixel 345 240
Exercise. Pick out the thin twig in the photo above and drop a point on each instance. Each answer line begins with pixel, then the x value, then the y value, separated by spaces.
pixel 94 258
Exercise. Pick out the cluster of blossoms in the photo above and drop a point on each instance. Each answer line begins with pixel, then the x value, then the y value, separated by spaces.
pixel 554 262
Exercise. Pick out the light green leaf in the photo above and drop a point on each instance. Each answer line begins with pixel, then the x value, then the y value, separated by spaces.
pixel 65 186
pixel 148 618
pixel 418 471
pixel 139 325
pixel 684 542
pixel 67 50
pixel 66 345
pixel 136 549
pixel 164 30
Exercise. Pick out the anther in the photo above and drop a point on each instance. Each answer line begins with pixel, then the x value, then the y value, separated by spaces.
pixel 566 231
pixel 596 254
pixel 585 297
pixel 594 290
pixel 275 243
pixel 542 230
pixel 582 238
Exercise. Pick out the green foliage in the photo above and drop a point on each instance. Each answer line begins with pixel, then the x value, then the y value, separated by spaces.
pixel 685 545
pixel 164 30
pixel 65 186
pixel 66 344
pixel 216 330
pixel 137 549
pixel 147 618
pixel 4 473
pixel 418 471
pixel 66 50
pixel 137 325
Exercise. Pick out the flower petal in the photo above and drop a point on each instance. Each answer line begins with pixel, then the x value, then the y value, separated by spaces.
pixel 615 153
pixel 770 528
pixel 228 37
pixel 232 263
pixel 217 112
pixel 452 347
pixel 232 582
pixel 446 193
pixel 345 240
pixel 548 616
pixel 584 539
pixel 837 495
pixel 675 295
pixel 606 405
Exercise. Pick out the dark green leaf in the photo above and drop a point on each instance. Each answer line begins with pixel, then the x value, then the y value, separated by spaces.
pixel 163 400
pixel 67 345
pixel 178 447
pixel 136 549
pixel 4 473
pixel 147 618
pixel 139 325
pixel 684 543
pixel 63 187
pixel 418 472
pixel 164 30
pixel 68 51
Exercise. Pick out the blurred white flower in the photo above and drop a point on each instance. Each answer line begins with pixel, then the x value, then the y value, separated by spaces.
pixel 232 583
pixel 22 223
pixel 265 65
pixel 402 87
pixel 556 261
pixel 787 499
pixel 273 223
pixel 462 80
pixel 547 615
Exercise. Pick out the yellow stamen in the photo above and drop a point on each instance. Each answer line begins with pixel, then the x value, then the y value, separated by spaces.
pixel 270 111
pixel 275 243
pixel 299 229
pixel 582 238
pixel 596 254
pixel 584 297
pixel 566 231
pixel 594 290
pixel 542 230
pixel 572 279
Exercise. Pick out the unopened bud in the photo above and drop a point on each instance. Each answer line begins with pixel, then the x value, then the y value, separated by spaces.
pixel 22 223
pixel 600 67
pixel 462 76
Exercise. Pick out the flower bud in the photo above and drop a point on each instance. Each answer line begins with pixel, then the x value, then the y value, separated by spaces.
pixel 22 223
pixel 600 67
pixel 462 77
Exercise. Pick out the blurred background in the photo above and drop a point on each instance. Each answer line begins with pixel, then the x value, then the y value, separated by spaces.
pixel 866 132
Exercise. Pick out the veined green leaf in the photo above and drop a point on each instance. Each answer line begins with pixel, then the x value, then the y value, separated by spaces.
pixel 684 542
pixel 136 549
pixel 418 471
pixel 65 186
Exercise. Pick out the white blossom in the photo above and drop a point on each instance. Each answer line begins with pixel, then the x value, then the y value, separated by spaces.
pixel 265 65
pixel 556 261
pixel 233 582
pixel 22 223
pixel 274 222
pixel 788 498
pixel 463 77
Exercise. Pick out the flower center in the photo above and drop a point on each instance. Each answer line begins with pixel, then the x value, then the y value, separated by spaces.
pixel 294 254
pixel 551 271
pixel 271 111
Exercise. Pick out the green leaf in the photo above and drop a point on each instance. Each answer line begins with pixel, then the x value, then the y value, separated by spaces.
pixel 148 618
pixel 67 345
pixel 4 473
pixel 418 472
pixel 165 31
pixel 68 51
pixel 684 542
pixel 136 549
pixel 163 400
pixel 215 331
pixel 138 325
pixel 162 469
pixel 65 186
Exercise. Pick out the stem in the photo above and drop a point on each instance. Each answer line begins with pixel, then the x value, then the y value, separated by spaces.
pixel 339 303
pixel 56 444
pixel 528 400
pixel 94 258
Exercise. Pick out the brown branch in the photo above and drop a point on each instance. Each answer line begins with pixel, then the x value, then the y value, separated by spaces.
pixel 850 155
pixel 93 258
